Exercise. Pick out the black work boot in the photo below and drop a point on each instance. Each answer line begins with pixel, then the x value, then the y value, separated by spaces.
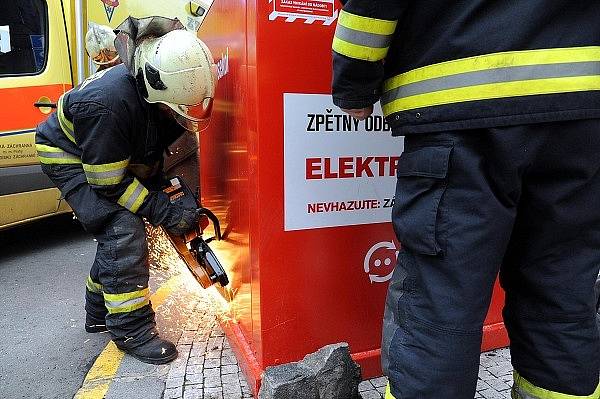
pixel 94 324
pixel 154 351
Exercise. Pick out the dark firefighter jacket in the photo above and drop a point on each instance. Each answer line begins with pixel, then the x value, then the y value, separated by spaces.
pixel 107 127
pixel 443 65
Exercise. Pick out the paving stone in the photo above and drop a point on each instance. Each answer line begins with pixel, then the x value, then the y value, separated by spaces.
pixel 193 392
pixel 491 394
pixel 498 385
pixel 229 369
pixel 500 370
pixel 194 369
pixel 379 382
pixel 173 393
pixel 481 385
pixel 227 360
pixel 174 382
pixel 212 382
pixel 194 360
pixel 213 393
pixel 365 386
pixel 194 379
pixel 198 350
pixel 370 395
pixel 213 354
pixel 187 337
pixel 212 372
pixel 212 363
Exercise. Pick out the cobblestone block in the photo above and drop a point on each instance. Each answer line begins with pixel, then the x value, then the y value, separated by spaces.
pixel 173 393
pixel 212 363
pixel 213 393
pixel 212 382
pixel 213 354
pixel 194 368
pixel 187 337
pixel 193 392
pixel 228 360
pixel 194 379
pixel 229 369
pixel 370 395
pixel 212 372
pixel 196 360
pixel 379 382
pixel 174 382
pixel 365 386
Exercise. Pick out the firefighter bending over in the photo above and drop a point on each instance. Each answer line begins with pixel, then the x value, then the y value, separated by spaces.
pixel 100 46
pixel 103 148
pixel 499 104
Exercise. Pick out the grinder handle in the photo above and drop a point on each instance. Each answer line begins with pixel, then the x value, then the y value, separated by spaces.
pixel 214 219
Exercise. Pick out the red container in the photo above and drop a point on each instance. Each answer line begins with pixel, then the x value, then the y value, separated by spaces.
pixel 303 193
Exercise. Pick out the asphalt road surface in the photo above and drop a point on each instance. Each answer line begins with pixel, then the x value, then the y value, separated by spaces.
pixel 44 349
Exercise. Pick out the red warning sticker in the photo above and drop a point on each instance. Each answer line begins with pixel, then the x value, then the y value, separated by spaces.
pixel 307 11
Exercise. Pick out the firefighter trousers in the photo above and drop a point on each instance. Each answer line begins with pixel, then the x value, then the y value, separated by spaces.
pixel 521 201
pixel 117 287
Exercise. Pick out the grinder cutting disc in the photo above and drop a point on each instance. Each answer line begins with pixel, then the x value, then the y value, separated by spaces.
pixel 192 249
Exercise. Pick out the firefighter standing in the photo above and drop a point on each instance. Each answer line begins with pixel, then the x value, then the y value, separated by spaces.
pixel 499 106
pixel 103 148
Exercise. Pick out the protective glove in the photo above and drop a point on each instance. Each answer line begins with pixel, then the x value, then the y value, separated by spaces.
pixel 176 219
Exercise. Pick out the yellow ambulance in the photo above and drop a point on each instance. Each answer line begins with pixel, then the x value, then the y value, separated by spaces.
pixel 42 55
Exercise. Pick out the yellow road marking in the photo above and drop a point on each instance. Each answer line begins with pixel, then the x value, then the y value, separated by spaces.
pixel 98 379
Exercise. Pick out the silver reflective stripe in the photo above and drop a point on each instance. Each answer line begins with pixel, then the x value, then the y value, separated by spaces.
pixel 489 76
pixel 134 196
pixel 57 155
pixel 126 303
pixel 105 175
pixel 363 38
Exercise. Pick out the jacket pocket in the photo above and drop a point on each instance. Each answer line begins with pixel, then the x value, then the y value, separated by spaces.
pixel 422 178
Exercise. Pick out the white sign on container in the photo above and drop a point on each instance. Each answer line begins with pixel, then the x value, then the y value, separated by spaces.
pixel 338 171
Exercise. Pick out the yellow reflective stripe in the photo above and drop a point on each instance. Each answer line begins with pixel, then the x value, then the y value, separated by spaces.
pixel 106 174
pixel 127 295
pixel 541 393
pixel 106 167
pixel 65 124
pixel 129 308
pixel 104 181
pixel 366 24
pixel 127 302
pixel 93 287
pixel 55 156
pixel 140 199
pixel 134 196
pixel 357 51
pixel 58 161
pixel 388 392
pixel 47 148
pixel 495 60
pixel 494 91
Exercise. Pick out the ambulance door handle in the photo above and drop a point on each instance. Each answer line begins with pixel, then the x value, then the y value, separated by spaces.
pixel 45 105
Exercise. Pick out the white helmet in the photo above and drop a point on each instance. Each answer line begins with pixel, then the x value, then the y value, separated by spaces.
pixel 100 44
pixel 178 70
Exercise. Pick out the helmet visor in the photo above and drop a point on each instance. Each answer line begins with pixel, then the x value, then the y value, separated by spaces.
pixel 196 112
pixel 190 125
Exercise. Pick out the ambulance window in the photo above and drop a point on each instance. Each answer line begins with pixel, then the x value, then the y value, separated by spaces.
pixel 23 37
